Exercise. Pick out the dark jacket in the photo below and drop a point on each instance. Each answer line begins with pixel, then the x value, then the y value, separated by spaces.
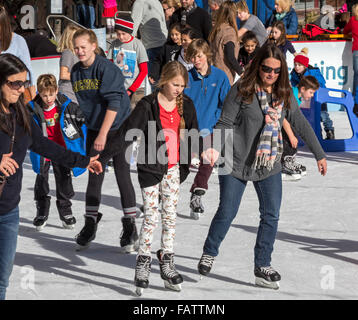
pixel 152 164
pixel 199 20
pixel 10 197
pixel 244 58
pixel 167 54
pixel 73 129
pixel 290 21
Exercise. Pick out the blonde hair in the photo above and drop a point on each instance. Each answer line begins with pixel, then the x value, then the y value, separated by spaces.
pixel 195 47
pixel 65 41
pixel 171 70
pixel 172 3
pixel 355 10
pixel 92 38
pixel 242 6
pixel 46 82
pixel 284 4
pixel 226 14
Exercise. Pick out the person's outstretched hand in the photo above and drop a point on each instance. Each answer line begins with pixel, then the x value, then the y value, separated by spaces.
pixel 210 155
pixel 94 165
pixel 322 166
pixel 8 166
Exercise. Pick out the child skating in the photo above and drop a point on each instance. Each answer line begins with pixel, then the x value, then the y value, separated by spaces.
pixel 169 110
pixel 61 121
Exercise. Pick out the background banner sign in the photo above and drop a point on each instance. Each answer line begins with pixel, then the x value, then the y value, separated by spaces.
pixel 333 58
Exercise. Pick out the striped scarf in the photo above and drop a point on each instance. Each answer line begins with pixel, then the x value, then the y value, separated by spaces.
pixel 270 146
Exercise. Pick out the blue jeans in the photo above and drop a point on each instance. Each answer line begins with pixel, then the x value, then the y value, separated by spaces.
pixel 9 228
pixel 269 192
pixel 86 16
pixel 152 54
pixel 355 76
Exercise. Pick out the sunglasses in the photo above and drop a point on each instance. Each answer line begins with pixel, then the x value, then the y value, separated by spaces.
pixel 16 85
pixel 267 69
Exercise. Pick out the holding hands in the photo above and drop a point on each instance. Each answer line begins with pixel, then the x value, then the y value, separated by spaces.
pixel 94 165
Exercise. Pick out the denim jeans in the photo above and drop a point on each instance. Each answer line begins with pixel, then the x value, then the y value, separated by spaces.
pixel 86 16
pixel 269 192
pixel 326 120
pixel 152 54
pixel 9 227
pixel 355 76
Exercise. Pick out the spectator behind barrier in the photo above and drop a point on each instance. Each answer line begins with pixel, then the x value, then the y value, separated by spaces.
pixel 286 13
pixel 169 7
pixel 38 43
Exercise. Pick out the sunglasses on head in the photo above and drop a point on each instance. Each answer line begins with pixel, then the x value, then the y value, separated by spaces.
pixel 267 69
pixel 16 85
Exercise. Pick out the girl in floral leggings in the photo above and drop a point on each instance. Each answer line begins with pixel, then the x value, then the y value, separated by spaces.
pixel 162 165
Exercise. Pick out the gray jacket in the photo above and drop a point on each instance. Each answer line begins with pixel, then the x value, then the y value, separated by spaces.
pixel 246 122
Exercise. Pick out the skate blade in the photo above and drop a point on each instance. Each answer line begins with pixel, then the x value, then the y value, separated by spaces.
pixel 68 226
pixel 195 215
pixel 82 248
pixel 174 287
pixel 130 249
pixel 292 177
pixel 267 284
pixel 139 291
pixel 40 228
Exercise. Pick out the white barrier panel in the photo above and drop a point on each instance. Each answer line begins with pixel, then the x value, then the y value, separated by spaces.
pixel 333 58
pixel 45 65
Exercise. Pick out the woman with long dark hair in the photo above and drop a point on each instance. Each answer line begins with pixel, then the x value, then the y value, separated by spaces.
pixel 19 132
pixel 254 110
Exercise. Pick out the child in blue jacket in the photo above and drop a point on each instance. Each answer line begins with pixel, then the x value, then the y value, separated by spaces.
pixel 61 121
pixel 207 87
pixel 303 68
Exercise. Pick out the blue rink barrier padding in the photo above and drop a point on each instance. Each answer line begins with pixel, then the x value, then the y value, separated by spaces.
pixel 313 115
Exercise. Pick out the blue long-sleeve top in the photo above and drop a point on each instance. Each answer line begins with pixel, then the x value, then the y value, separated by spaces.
pixel 99 88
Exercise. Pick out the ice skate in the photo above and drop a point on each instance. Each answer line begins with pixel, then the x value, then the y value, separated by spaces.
pixel 205 264
pixel 290 172
pixel 40 222
pixel 267 277
pixel 196 206
pixel 68 222
pixel 172 279
pixel 88 232
pixel 142 272
pixel 129 237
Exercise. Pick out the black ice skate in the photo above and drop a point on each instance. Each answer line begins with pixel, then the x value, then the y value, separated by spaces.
pixel 205 264
pixel 289 171
pixel 142 272
pixel 299 167
pixel 196 207
pixel 88 232
pixel 267 277
pixel 172 279
pixel 43 210
pixel 68 221
pixel 129 236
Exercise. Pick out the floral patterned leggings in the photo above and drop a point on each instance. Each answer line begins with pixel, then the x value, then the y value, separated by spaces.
pixel 168 189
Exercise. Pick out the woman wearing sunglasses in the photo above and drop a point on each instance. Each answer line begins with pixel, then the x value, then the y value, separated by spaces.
pixel 254 110
pixel 19 132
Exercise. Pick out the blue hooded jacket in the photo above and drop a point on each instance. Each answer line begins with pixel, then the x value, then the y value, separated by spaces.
pixel 310 71
pixel 208 94
pixel 290 21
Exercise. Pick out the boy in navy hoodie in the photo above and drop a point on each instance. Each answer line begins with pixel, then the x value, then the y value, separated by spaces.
pixel 61 121
pixel 207 87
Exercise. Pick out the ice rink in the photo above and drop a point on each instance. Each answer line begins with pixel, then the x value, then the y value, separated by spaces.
pixel 316 249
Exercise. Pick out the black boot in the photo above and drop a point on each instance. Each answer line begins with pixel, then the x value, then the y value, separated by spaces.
pixel 172 278
pixel 88 232
pixel 129 236
pixel 330 134
pixel 43 210
pixel 355 109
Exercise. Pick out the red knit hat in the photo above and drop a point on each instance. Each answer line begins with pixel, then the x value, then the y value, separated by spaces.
pixel 124 22
pixel 302 57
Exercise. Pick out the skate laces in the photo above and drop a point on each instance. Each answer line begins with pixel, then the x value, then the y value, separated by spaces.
pixel 168 267
pixel 207 260
pixel 142 269
pixel 268 270
pixel 196 201
pixel 290 163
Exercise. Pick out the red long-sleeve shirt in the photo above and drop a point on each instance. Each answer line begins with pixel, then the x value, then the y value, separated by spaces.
pixel 352 27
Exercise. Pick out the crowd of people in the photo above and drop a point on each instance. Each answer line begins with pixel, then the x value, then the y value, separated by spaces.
pixel 224 71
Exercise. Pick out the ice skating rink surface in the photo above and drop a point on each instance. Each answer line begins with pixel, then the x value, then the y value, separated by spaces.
pixel 316 249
